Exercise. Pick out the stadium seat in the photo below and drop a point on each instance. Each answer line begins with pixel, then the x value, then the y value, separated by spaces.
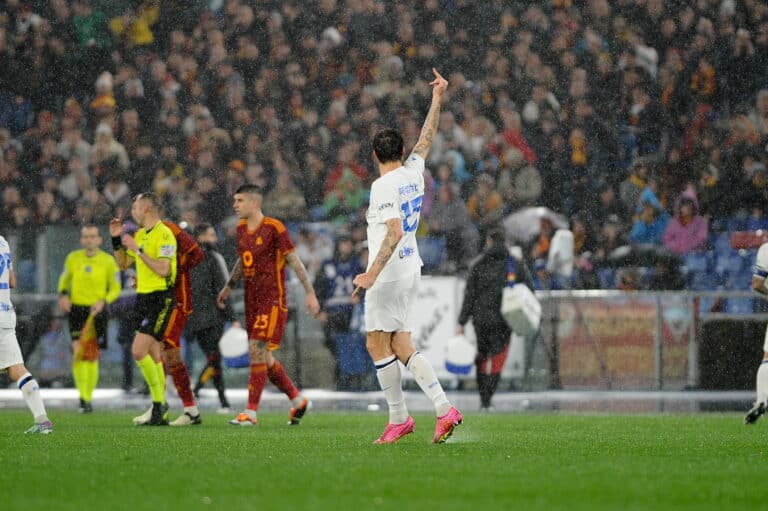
pixel 739 281
pixel 720 242
pixel 729 260
pixel 432 251
pixel 735 224
pixel 696 262
pixel 756 224
pixel 706 304
pixel 352 357
pixel 704 281
pixel 607 278
pixel 740 305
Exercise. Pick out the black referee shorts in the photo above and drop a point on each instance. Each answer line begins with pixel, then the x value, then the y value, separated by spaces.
pixel 78 315
pixel 152 312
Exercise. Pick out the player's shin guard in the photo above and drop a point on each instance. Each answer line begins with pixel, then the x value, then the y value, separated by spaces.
pixel 256 383
pixel 282 381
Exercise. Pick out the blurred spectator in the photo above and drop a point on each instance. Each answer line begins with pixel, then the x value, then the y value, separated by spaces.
pixel 108 151
pixel 628 280
pixel 346 196
pixel 485 205
pixel 632 187
pixel 285 200
pixel 687 231
pixel 651 222
pixel 450 220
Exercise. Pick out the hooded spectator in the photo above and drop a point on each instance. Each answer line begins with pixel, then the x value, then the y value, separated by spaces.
pixel 687 232
pixel 652 220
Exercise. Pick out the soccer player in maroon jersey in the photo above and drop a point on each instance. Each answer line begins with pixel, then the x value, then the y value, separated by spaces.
pixel 264 247
pixel 188 254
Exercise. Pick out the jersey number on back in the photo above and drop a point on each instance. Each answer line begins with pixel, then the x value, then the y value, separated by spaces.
pixel 411 210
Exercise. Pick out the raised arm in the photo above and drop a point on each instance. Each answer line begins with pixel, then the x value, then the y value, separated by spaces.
pixel 429 129
pixel 116 231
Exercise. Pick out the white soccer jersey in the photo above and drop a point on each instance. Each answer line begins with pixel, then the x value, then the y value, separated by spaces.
pixel 7 313
pixel 397 194
pixel 761 262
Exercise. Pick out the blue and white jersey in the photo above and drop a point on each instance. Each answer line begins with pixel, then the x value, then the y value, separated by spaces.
pixel 339 276
pixel 397 194
pixel 7 313
pixel 761 262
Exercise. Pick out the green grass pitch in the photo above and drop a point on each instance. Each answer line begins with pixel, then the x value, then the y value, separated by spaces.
pixel 515 462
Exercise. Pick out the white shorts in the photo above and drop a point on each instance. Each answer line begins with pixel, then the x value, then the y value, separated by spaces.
pixel 765 342
pixel 10 353
pixel 388 304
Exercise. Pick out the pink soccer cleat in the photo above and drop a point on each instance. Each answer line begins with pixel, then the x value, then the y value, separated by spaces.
pixel 446 424
pixel 394 432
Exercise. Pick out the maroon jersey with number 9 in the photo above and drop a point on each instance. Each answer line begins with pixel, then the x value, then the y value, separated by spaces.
pixel 262 253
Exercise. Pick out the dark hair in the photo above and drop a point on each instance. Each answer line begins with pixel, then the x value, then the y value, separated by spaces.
pixel 153 200
pixel 201 228
pixel 497 237
pixel 91 225
pixel 249 188
pixel 388 146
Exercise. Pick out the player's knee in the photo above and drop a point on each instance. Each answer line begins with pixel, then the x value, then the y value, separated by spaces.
pixel 17 371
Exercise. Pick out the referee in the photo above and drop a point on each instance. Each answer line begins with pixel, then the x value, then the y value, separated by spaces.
pixel 153 251
pixel 89 282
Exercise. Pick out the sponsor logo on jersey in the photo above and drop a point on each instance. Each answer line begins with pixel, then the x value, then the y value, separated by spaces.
pixel 259 241
pixel 386 205
pixel 405 252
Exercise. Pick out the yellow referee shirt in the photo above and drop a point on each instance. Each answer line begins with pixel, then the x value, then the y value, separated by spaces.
pixel 158 242
pixel 90 279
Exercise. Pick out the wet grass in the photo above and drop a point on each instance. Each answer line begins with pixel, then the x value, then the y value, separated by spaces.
pixel 525 462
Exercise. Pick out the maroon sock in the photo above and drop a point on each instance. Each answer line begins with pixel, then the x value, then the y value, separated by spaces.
pixel 181 381
pixel 281 380
pixel 256 383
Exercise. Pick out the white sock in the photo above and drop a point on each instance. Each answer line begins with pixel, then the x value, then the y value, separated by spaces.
pixel 192 410
pixel 762 382
pixel 388 373
pixel 430 385
pixel 31 392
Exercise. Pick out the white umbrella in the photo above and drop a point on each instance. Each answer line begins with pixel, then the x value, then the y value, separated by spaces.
pixel 523 224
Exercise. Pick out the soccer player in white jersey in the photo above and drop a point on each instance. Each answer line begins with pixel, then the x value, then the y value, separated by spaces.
pixel 10 353
pixel 393 275
pixel 759 275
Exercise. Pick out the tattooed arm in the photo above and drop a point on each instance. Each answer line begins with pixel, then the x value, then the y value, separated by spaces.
pixel 429 129
pixel 300 270
pixel 394 234
pixel 293 260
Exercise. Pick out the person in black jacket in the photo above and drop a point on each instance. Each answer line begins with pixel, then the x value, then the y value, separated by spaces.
pixel 206 324
pixel 487 278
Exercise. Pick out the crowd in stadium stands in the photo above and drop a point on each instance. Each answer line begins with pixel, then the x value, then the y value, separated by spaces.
pixel 639 120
